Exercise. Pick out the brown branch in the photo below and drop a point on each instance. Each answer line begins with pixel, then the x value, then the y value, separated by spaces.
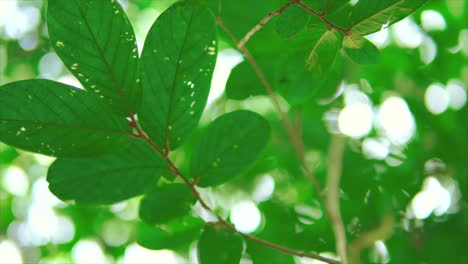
pixel 142 135
pixel 322 17
pixel 263 22
pixel 335 161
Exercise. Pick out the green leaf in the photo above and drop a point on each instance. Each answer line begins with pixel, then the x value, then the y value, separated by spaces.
pixel 304 68
pixel 177 234
pixel 243 82
pixel 97 44
pixel 107 179
pixel 219 245
pixel 361 50
pixel 165 203
pixel 292 21
pixel 178 60
pixel 229 146
pixel 58 120
pixel 369 16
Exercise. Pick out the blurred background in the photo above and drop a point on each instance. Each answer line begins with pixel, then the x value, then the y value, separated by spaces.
pixel 405 165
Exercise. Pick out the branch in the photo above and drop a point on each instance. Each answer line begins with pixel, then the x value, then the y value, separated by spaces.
pixel 294 137
pixel 263 22
pixel 335 160
pixel 142 135
pixel 322 17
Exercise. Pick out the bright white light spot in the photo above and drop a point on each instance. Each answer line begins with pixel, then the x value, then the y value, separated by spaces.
pixel 427 50
pixel 395 120
pixel 436 98
pixel 42 195
pixel 42 221
pixel 379 38
pixel 20 20
pixel 115 232
pixel 432 198
pixel 245 216
pixel 264 188
pixel 380 253
pixel 376 148
pixel 135 254
pixel 28 41
pixel 50 66
pixel 227 59
pixel 457 94
pixel 87 251
pixel 355 120
pixel 407 34
pixel 15 181
pixel 352 95
pixel 64 232
pixel 10 253
pixel 43 160
pixel 432 20
pixel 70 80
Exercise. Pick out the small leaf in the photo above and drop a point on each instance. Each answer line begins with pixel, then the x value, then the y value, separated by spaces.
pixel 178 60
pixel 165 203
pixel 229 146
pixel 107 179
pixel 369 16
pixel 177 234
pixel 292 21
pixel 58 120
pixel 361 50
pixel 96 42
pixel 219 245
pixel 324 51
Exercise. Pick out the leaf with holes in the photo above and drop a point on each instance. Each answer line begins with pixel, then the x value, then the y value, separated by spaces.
pixel 164 203
pixel 229 146
pixel 178 61
pixel 107 179
pixel 369 16
pixel 219 245
pixel 361 50
pixel 97 44
pixel 58 120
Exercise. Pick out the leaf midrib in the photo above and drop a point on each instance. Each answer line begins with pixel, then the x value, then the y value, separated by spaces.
pixel 376 14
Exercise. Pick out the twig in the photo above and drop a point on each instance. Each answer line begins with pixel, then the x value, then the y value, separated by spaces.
pixel 335 160
pixel 263 22
pixel 295 138
pixel 322 17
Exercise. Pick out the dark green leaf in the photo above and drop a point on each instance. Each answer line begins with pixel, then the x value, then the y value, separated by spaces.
pixel 165 203
pixel 58 120
pixel 178 60
pixel 229 146
pixel 243 82
pixel 177 234
pixel 369 16
pixel 107 179
pixel 219 245
pixel 292 21
pixel 96 42
pixel 361 50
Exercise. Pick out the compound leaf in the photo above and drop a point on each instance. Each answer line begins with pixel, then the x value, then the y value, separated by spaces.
pixel 219 245
pixel 369 16
pixel 107 179
pixel 97 44
pixel 58 120
pixel 161 204
pixel 178 61
pixel 230 145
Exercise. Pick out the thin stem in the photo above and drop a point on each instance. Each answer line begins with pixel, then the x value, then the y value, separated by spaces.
pixel 322 17
pixel 335 161
pixel 295 138
pixel 263 22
